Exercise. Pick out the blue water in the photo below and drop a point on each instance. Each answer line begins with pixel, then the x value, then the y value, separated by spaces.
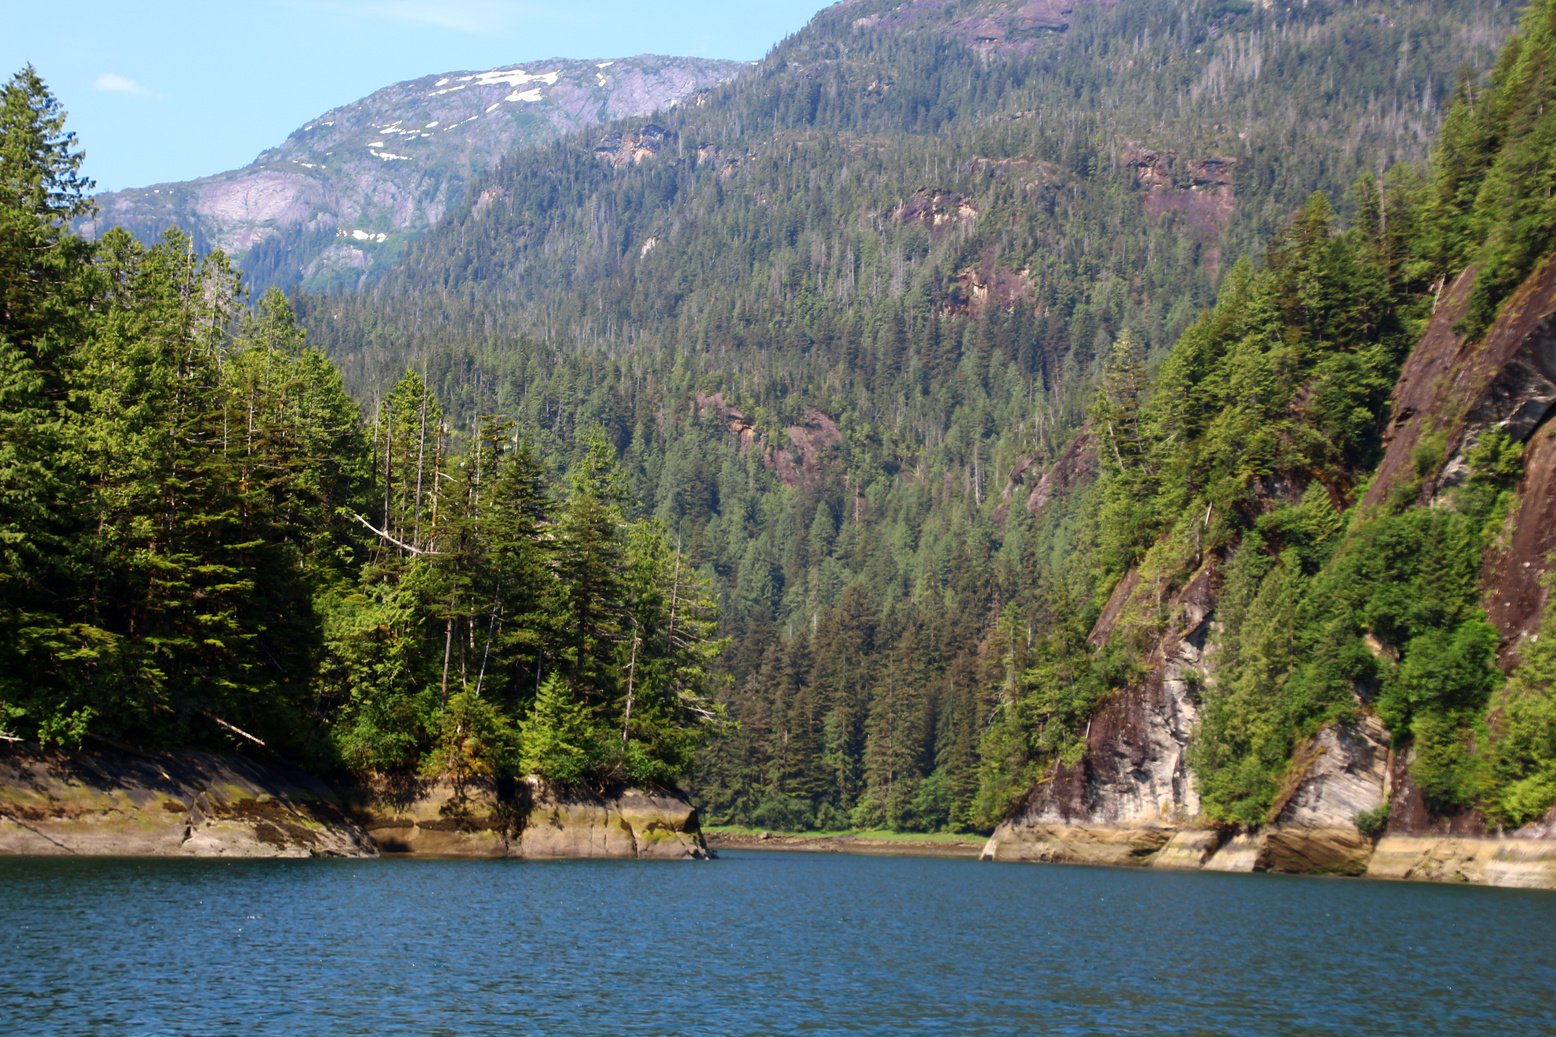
pixel 756 943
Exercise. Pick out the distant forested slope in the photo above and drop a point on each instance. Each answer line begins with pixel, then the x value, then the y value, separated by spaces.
pixel 839 319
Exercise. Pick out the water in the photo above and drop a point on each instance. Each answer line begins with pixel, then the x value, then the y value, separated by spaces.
pixel 756 943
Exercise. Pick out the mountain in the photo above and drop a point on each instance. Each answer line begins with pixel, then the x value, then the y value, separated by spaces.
pixel 843 321
pixel 1124 430
pixel 344 193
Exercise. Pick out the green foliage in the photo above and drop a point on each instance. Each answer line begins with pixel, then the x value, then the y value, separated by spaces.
pixel 199 534
pixel 783 813
pixel 560 740
pixel 865 432
pixel 1522 756
pixel 1513 215
pixel 1373 823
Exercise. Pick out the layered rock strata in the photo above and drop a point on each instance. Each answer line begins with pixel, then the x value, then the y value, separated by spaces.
pixel 195 804
pixel 183 804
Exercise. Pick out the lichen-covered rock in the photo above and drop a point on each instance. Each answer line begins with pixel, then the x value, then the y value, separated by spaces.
pixel 436 818
pixel 629 823
pixel 168 804
pixel 1188 849
pixel 527 819
pixel 1111 845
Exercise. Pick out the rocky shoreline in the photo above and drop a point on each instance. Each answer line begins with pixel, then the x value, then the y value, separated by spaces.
pixel 118 802
pixel 971 847
pixel 1520 860
pixel 196 804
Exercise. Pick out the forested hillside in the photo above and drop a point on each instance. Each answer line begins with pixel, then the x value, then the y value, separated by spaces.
pixel 883 415
pixel 1325 526
pixel 839 319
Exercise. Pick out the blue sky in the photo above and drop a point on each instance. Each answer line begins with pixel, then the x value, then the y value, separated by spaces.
pixel 159 91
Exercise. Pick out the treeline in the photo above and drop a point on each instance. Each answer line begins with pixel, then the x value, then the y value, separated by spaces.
pixel 203 542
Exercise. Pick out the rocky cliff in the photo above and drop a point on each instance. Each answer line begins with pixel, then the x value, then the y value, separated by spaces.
pixel 1131 797
pixel 345 192
pixel 124 803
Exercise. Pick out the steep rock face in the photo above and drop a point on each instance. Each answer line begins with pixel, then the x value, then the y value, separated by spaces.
pixel 1515 574
pixel 1449 393
pixel 1457 389
pixel 1196 196
pixel 1075 465
pixel 352 185
pixel 168 805
pixel 1132 786
pixel 1344 771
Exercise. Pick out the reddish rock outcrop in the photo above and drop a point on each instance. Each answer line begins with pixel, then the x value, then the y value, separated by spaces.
pixel 939 211
pixel 800 459
pixel 633 147
pixel 1076 464
pixel 1199 195
pixel 1453 389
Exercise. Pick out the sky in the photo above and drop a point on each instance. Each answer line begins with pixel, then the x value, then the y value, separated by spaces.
pixel 167 90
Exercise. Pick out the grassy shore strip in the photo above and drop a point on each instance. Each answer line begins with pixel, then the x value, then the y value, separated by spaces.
pixel 884 843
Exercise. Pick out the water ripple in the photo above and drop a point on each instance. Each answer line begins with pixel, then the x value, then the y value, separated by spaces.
pixel 755 944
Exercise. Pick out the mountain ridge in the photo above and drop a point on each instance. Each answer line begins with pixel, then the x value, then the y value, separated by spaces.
pixel 347 190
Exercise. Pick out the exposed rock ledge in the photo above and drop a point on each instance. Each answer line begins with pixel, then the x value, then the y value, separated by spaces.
pixel 1340 773
pixel 480 820
pixel 168 805
pixel 206 805
pixel 1514 860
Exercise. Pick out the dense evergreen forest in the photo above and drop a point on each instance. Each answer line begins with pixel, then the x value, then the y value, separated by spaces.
pixel 204 542
pixel 839 317
pixel 734 424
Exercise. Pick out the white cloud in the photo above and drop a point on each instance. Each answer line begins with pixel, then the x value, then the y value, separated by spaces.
pixel 114 83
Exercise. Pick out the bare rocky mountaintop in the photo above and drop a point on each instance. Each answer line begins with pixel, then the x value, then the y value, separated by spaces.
pixel 346 191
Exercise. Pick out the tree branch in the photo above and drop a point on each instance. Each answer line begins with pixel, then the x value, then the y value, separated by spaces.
pixel 397 543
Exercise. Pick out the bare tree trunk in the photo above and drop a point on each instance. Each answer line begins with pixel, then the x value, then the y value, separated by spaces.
pixel 448 646
pixel 632 673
